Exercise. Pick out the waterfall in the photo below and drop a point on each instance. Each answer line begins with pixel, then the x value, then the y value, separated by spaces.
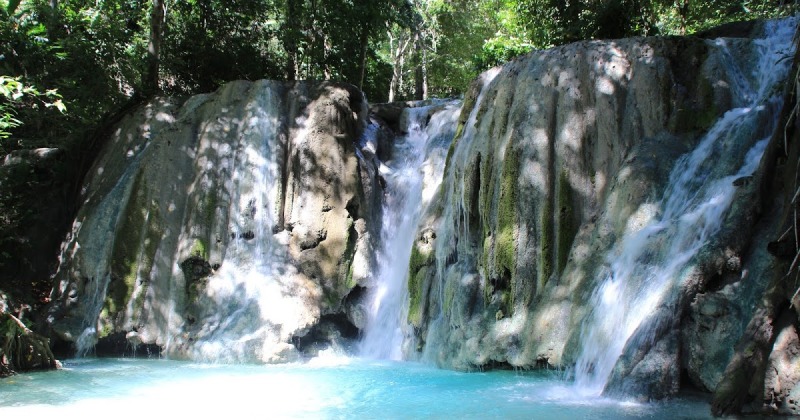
pixel 247 287
pixel 647 264
pixel 454 223
pixel 412 176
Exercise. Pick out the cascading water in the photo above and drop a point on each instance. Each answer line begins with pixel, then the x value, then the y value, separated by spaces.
pixel 246 289
pixel 647 264
pixel 449 232
pixel 412 176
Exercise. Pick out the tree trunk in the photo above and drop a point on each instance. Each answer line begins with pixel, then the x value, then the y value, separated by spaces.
pixel 52 19
pixel 326 48
pixel 419 75
pixel 363 57
pixel 290 39
pixel 151 79
pixel 424 73
pixel 398 60
pixel 683 12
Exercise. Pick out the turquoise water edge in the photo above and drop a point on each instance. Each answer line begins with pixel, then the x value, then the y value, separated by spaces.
pixel 332 387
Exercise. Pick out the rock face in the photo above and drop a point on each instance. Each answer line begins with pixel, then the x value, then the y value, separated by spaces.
pixel 562 151
pixel 560 156
pixel 222 228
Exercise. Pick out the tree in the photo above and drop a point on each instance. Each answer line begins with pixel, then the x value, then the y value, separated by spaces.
pixel 150 79
pixel 209 42
pixel 291 37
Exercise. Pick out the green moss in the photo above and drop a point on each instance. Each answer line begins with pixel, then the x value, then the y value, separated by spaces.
pixel 505 247
pixel 199 249
pixel 349 255
pixel 488 289
pixel 487 192
pixel 135 246
pixel 452 149
pixel 415 297
pixel 106 324
pixel 155 231
pixel 417 272
pixel 567 228
pixel 546 245
pixel 349 279
pixel 499 250
pixel 125 253
pixel 700 113
pixel 466 108
pixel 450 287
pixel 418 260
pixel 209 205
pixel 708 114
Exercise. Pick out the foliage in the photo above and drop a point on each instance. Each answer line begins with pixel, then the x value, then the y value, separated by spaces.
pixel 209 42
pixel 93 52
pixel 13 91
pixel 343 39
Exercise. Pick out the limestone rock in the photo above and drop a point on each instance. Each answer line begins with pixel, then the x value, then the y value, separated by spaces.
pixel 223 227
pixel 783 373
pixel 560 154
pixel 554 155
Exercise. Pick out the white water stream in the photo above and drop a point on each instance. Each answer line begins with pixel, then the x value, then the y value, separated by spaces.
pixel 648 263
pixel 412 177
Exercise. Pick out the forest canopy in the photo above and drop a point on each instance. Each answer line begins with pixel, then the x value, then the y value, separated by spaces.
pixel 97 54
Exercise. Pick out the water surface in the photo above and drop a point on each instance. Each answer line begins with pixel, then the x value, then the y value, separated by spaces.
pixel 323 388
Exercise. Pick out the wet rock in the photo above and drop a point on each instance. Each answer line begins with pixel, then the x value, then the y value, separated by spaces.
pixel 709 336
pixel 782 378
pixel 264 183
pixel 559 155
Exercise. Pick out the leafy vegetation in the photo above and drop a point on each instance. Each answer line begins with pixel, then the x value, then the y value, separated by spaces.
pixel 96 54
pixel 12 91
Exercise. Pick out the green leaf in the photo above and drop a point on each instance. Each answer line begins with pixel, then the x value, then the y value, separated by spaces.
pixel 59 105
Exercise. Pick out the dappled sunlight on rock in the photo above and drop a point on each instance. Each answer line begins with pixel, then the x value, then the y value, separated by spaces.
pixel 559 156
pixel 205 205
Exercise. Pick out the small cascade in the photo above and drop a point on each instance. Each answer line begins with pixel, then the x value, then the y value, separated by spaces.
pixel 412 177
pixel 96 288
pixel 246 287
pixel 455 225
pixel 454 184
pixel 647 265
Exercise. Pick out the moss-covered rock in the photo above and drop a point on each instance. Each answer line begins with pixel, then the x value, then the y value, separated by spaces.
pixel 558 156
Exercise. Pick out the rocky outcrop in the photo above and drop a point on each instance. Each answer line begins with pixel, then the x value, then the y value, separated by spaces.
pixel 561 154
pixel 564 150
pixel 762 371
pixel 223 227
pixel 241 225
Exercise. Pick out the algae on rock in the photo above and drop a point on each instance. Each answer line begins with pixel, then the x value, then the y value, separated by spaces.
pixel 557 155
